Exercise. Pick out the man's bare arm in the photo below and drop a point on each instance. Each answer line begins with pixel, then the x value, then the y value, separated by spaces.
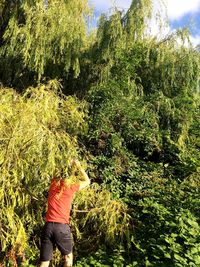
pixel 86 180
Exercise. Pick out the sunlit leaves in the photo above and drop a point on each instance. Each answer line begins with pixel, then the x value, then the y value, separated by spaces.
pixel 49 36
pixel 38 138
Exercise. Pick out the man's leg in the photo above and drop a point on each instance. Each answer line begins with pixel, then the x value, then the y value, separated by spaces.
pixel 64 242
pixel 44 264
pixel 68 260
pixel 47 245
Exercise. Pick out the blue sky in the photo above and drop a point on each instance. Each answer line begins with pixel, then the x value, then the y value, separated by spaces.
pixel 180 13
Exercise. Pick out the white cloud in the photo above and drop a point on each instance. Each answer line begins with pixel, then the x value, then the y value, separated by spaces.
pixel 178 8
pixel 122 4
pixel 175 8
pixel 195 40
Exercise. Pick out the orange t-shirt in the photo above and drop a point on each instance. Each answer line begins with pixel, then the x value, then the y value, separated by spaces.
pixel 59 202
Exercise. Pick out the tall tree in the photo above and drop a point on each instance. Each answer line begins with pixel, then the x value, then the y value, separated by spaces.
pixel 41 39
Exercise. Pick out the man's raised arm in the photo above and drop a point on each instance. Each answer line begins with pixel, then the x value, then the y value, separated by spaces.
pixel 86 180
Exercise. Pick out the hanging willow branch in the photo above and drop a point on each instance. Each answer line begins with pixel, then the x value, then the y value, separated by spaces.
pixel 105 215
pixel 37 138
pixel 44 37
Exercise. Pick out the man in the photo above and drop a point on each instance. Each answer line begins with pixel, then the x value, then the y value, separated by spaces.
pixel 56 231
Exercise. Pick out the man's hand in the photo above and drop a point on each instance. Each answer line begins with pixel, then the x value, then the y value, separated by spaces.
pixel 75 162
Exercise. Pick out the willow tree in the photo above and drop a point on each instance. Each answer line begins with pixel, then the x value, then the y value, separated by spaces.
pixel 159 76
pixel 143 132
pixel 38 138
pixel 118 32
pixel 39 131
pixel 42 39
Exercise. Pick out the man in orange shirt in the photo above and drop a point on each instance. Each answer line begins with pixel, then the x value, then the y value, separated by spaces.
pixel 56 231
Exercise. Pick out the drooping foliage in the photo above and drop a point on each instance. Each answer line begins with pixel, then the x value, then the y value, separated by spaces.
pixel 137 126
pixel 38 140
pixel 142 131
pixel 156 109
pixel 38 136
pixel 42 39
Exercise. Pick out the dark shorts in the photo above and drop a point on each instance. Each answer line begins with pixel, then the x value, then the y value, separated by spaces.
pixel 55 235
